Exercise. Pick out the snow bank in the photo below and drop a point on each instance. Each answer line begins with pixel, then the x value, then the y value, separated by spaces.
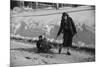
pixel 33 24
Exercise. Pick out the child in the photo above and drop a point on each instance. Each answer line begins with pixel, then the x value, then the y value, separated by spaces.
pixel 42 44
pixel 39 42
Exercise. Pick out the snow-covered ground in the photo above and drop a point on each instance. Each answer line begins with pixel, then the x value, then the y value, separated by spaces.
pixel 23 54
pixel 32 23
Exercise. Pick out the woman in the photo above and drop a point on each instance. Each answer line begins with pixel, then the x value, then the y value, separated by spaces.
pixel 67 27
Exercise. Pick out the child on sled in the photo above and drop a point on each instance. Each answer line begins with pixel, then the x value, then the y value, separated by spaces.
pixel 42 44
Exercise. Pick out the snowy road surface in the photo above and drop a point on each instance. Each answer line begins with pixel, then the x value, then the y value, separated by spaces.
pixel 23 54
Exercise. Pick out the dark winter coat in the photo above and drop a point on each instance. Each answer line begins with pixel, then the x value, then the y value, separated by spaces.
pixel 43 45
pixel 67 26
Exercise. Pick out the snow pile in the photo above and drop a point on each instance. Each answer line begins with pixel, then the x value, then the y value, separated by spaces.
pixel 33 24
pixel 47 22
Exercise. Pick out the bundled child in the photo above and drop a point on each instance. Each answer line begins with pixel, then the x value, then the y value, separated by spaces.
pixel 42 44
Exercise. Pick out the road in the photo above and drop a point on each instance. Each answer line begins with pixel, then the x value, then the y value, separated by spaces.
pixel 25 54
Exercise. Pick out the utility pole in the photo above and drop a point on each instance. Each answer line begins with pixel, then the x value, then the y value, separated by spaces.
pixel 56 5
pixel 21 4
pixel 35 5
pixel 30 4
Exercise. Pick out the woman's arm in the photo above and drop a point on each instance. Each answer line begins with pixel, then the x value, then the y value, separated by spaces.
pixel 73 26
pixel 60 29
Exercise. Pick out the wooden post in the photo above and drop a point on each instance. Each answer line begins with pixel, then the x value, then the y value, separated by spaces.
pixel 30 4
pixel 21 4
pixel 57 5
pixel 35 5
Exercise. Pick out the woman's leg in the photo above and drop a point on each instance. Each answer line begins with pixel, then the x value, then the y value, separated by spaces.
pixel 60 48
pixel 70 41
pixel 69 44
pixel 66 43
pixel 65 38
